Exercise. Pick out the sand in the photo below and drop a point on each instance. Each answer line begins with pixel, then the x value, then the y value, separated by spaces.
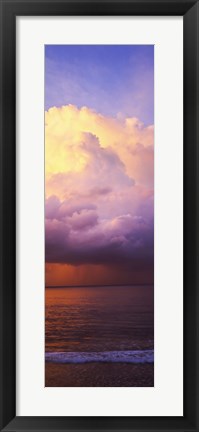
pixel 99 375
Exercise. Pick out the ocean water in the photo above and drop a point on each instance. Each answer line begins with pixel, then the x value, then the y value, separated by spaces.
pixel 112 324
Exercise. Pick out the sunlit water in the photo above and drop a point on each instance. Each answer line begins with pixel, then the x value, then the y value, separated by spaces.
pixel 100 324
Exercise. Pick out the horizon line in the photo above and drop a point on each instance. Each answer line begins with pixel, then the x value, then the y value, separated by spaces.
pixel 96 285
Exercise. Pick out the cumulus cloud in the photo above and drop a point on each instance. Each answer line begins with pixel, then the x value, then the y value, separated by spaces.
pixel 99 189
pixel 84 238
pixel 63 132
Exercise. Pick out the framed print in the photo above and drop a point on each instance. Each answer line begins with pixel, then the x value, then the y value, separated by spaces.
pixel 99 256
pixel 99 249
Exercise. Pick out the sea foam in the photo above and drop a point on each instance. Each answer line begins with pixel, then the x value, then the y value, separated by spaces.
pixel 138 356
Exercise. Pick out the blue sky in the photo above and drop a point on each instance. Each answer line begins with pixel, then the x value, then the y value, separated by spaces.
pixel 114 80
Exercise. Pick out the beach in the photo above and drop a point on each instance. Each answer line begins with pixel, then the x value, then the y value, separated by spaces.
pixel 99 375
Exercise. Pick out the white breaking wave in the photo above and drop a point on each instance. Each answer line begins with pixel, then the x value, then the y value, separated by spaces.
pixel 140 356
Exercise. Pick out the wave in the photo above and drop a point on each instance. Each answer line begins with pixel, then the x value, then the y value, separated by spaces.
pixel 139 356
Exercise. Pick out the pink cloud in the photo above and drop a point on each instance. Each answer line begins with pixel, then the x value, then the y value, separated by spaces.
pixel 99 190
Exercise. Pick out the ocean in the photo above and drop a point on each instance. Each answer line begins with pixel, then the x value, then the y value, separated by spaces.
pixel 99 336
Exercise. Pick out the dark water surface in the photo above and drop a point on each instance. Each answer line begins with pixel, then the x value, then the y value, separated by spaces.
pixel 109 325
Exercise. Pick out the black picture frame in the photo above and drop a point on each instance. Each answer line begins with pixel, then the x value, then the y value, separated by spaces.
pixel 189 9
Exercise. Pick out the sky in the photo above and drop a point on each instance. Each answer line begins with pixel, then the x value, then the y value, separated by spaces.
pixel 109 79
pixel 99 164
